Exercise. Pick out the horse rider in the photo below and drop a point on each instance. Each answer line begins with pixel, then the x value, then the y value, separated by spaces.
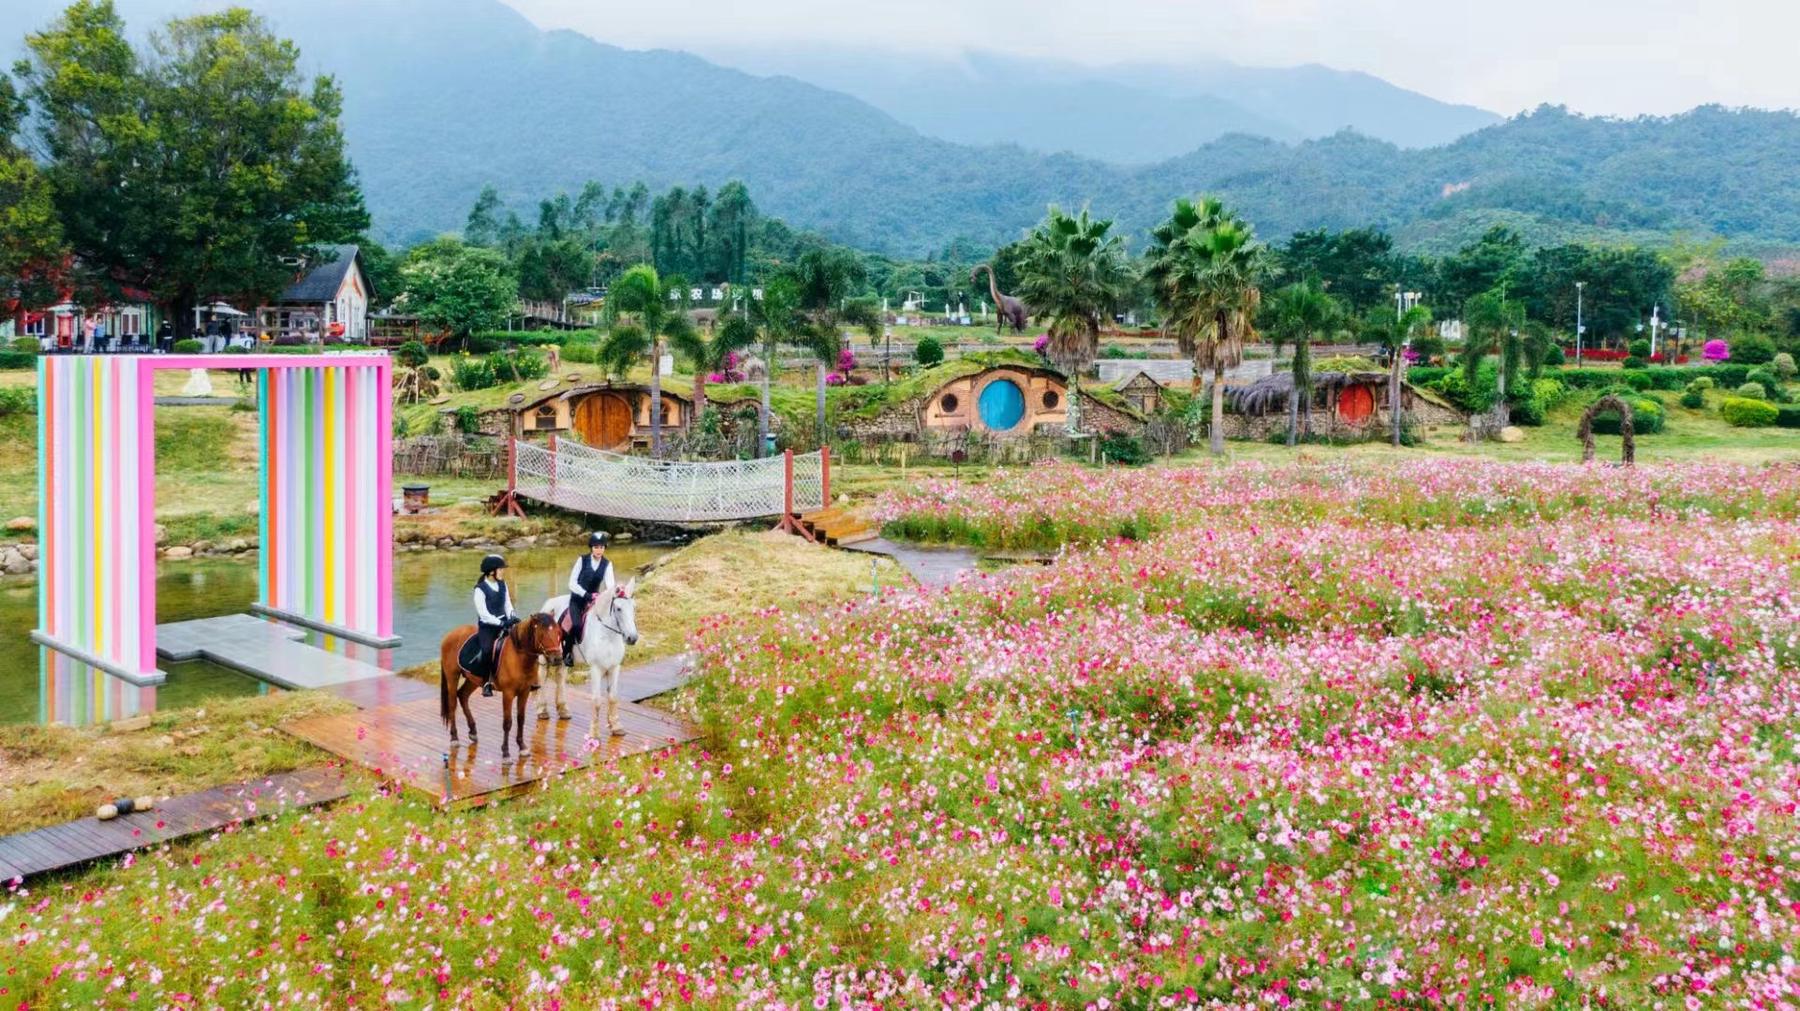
pixel 591 579
pixel 493 615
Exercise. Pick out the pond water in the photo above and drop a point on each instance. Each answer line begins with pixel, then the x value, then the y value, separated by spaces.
pixel 431 596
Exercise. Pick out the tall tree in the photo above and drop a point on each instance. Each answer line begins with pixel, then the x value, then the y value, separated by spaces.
pixel 641 316
pixel 198 171
pixel 1494 260
pixel 31 247
pixel 1357 266
pixel 1300 312
pixel 483 225
pixel 1493 322
pixel 1073 272
pixel 777 318
pixel 1204 263
pixel 459 289
pixel 826 284
pixel 728 233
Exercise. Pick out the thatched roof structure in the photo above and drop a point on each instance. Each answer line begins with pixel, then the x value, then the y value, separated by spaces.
pixel 1269 395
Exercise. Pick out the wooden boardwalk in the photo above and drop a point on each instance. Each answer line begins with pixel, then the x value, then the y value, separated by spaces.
pixel 408 744
pixel 60 847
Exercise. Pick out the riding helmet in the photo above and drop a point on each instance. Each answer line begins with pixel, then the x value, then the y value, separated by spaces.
pixel 492 563
pixel 598 539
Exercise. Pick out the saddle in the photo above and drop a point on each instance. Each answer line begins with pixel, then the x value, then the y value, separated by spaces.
pixel 468 656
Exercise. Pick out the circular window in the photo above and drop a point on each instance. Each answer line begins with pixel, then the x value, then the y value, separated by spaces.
pixel 949 403
pixel 1051 399
pixel 1002 405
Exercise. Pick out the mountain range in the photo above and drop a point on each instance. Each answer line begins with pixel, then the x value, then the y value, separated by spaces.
pixel 1129 114
pixel 443 97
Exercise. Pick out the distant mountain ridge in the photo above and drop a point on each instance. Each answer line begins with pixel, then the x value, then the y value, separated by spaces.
pixel 1128 114
pixel 443 97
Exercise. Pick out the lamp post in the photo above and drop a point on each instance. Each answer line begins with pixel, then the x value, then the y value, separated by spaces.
pixel 1578 327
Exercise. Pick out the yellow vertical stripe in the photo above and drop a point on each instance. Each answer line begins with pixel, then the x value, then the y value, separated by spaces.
pixel 331 503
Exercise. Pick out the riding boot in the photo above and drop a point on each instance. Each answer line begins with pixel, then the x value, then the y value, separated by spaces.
pixel 612 718
pixel 487 687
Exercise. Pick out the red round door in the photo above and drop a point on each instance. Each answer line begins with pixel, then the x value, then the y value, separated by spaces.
pixel 1355 404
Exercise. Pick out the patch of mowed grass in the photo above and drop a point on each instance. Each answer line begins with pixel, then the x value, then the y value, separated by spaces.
pixel 58 773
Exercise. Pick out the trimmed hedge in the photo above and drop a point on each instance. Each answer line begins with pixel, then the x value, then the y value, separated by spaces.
pixel 1788 417
pixel 1743 412
pixel 1693 399
pixel 18 359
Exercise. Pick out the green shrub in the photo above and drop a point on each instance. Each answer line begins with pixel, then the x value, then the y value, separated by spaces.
pixel 1782 363
pixel 18 360
pixel 1639 380
pixel 1554 358
pixel 1540 396
pixel 1744 412
pixel 1771 382
pixel 1752 349
pixel 1647 414
pixel 17 400
pixel 1701 384
pixel 472 373
pixel 468 419
pixel 236 351
pixel 29 345
pixel 1639 348
pixel 1124 449
pixel 1788 417
pixel 584 354
pixel 1752 391
pixel 526 363
pixel 1693 400
pixel 929 351
pixel 188 346
pixel 1634 362
pixel 412 354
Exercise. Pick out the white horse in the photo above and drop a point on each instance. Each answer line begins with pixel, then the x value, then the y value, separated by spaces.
pixel 610 626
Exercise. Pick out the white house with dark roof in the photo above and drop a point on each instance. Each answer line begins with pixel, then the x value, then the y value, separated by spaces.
pixel 330 298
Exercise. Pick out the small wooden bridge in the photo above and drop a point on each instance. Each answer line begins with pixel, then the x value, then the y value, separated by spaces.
pixel 572 476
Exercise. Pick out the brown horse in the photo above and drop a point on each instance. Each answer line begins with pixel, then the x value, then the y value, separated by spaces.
pixel 515 674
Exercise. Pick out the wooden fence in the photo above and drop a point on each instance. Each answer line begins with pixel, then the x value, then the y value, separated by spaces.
pixel 450 456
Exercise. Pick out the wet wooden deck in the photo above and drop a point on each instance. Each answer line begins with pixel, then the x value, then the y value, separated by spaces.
pixel 85 840
pixel 408 744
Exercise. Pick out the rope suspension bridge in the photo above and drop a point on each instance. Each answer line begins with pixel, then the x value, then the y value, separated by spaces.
pixel 582 479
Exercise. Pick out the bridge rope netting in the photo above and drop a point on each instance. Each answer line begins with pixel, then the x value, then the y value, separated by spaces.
pixel 583 479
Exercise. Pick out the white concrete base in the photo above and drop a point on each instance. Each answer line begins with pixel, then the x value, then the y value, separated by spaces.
pixel 142 679
pixel 367 639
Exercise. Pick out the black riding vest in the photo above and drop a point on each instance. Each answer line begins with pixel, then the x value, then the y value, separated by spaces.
pixel 592 575
pixel 494 597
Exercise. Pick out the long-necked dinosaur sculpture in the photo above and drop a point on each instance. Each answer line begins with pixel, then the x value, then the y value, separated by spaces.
pixel 1007 309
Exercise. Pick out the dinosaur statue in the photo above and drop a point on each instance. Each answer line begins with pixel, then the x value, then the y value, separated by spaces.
pixel 1007 309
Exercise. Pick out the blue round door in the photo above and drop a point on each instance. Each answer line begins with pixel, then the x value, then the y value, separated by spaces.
pixel 1002 404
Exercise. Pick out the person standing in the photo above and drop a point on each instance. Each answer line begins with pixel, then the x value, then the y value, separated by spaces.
pixel 590 579
pixel 493 616
pixel 165 337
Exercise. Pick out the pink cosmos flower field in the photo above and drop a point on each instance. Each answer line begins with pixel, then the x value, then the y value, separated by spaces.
pixel 1457 734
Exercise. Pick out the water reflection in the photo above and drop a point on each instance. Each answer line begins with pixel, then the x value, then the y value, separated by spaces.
pixel 431 596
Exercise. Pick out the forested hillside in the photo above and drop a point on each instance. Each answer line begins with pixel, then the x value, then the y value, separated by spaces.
pixel 444 97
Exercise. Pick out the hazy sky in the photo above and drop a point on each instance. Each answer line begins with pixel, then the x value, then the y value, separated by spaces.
pixel 1615 57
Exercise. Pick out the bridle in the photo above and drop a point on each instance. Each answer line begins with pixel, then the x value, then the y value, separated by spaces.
pixel 611 609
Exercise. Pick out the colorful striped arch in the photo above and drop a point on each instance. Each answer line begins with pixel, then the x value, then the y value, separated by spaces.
pixel 326 505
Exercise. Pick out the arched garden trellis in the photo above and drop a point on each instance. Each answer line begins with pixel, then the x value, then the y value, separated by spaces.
pixel 326 517
pixel 1585 431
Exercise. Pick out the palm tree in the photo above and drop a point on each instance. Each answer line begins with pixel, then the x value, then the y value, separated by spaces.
pixel 711 354
pixel 777 315
pixel 1493 321
pixel 1300 312
pixel 1394 336
pixel 640 315
pixel 824 279
pixel 1074 273
pixel 1204 263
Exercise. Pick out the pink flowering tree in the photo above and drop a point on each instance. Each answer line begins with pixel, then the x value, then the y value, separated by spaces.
pixel 1716 351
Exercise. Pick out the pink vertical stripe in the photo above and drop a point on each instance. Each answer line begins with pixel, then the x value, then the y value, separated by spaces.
pixel 146 518
pixel 347 505
pixel 384 498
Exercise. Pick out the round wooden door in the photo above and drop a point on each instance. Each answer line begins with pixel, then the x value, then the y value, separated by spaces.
pixel 603 420
pixel 1355 404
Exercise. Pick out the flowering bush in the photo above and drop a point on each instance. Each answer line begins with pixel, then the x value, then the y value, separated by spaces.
pixel 1452 734
pixel 733 372
pixel 1716 351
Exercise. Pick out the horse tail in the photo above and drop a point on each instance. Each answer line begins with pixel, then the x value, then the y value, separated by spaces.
pixel 444 692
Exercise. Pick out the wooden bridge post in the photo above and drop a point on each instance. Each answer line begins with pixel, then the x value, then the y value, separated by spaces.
pixel 790 520
pixel 509 499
